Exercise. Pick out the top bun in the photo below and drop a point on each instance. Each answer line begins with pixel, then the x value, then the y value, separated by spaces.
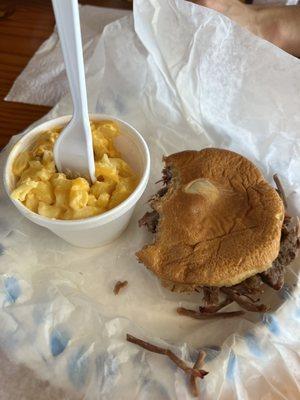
pixel 220 221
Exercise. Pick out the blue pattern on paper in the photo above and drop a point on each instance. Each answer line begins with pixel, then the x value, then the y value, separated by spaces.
pixel 119 104
pixel 153 390
pixel 12 288
pixel 58 342
pixel 271 322
pixel 253 346
pixel 231 366
pixel 107 369
pixel 78 367
pixel 297 313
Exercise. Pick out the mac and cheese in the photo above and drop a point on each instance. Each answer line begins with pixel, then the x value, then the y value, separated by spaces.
pixel 49 193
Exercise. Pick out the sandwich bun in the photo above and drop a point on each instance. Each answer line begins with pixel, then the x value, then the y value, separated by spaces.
pixel 219 222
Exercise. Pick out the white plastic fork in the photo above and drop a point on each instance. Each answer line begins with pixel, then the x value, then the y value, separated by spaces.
pixel 73 150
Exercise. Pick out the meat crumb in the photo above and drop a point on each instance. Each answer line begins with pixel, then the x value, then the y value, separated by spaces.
pixel 119 285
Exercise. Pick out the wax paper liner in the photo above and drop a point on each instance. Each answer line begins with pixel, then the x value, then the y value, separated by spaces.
pixel 186 77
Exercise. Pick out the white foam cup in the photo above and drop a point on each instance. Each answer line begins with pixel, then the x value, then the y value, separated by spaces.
pixel 100 229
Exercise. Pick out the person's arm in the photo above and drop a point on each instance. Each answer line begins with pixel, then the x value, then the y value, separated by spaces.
pixel 279 25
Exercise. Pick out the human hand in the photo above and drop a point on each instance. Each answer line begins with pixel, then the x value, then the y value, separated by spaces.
pixel 279 25
pixel 239 12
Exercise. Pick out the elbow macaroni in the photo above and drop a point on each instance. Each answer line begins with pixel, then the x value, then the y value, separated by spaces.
pixel 45 191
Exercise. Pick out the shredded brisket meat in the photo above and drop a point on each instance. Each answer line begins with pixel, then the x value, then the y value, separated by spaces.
pixel 201 315
pixel 252 285
pixel 198 373
pixel 162 191
pixel 150 220
pixel 210 295
pixel 244 301
pixel 280 190
pixel 245 293
pixel 289 247
pixel 198 365
pixel 167 175
pixel 119 285
pixel 214 309
pixel 274 277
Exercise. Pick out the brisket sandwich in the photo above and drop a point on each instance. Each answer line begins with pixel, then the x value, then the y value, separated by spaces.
pixel 218 227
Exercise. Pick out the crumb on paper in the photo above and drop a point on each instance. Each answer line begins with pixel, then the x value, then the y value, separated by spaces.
pixel 119 285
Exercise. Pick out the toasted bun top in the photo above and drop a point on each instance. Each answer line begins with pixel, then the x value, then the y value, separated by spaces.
pixel 220 221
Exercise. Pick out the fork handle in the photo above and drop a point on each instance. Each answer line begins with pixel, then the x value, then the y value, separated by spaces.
pixel 68 25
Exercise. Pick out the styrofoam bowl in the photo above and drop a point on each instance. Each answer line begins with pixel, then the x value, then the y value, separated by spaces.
pixel 104 228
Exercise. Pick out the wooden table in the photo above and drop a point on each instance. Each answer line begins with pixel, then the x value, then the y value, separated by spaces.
pixel 24 25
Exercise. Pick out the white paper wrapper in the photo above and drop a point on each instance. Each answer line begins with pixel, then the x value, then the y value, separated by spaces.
pixel 187 78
